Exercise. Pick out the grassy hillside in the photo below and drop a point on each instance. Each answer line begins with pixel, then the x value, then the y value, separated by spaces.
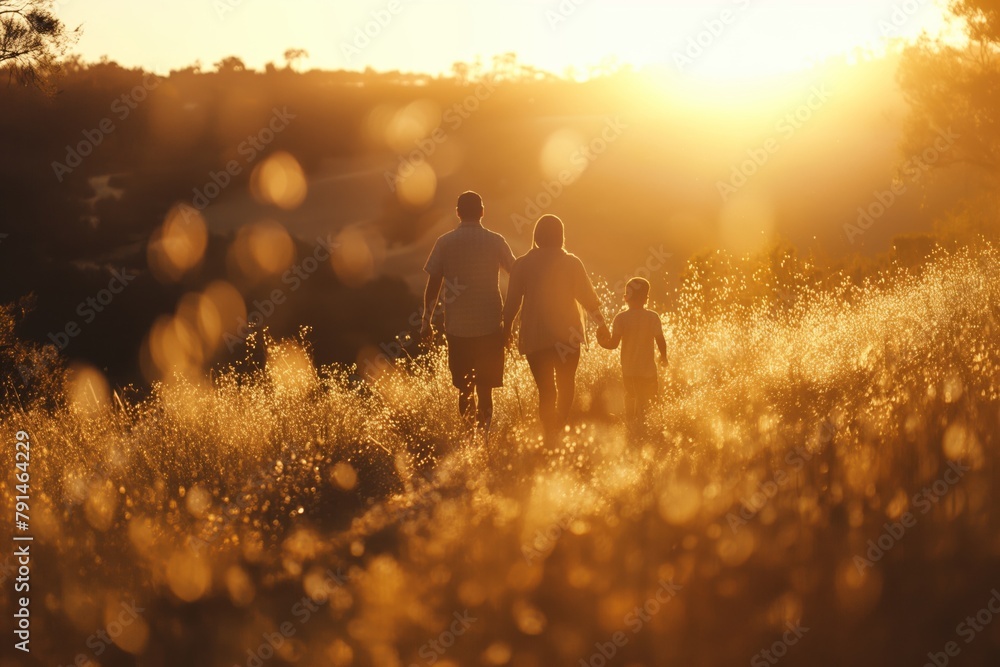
pixel 816 481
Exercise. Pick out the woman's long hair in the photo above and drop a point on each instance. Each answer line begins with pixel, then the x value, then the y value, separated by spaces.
pixel 549 232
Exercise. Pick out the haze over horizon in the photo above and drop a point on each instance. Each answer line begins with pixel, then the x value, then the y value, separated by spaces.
pixel 742 40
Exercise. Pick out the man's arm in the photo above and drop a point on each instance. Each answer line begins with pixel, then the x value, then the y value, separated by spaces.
pixel 512 305
pixel 431 293
pixel 506 256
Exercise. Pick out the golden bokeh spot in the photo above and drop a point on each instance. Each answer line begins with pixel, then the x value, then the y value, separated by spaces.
pixel 496 654
pixel 174 346
pixel 317 585
pixel 178 245
pixel 961 444
pixel 680 502
pixel 279 181
pixel 198 501
pixel 561 158
pixel 857 591
pixel 221 311
pixel 302 545
pixel 353 259
pixel 411 124
pixel 189 577
pixel 87 391
pixel 472 593
pixel 127 630
pixel 290 370
pixel 141 534
pixel 239 586
pixel 340 654
pixel 529 618
pixel 344 476
pixel 734 550
pixel 524 577
pixel 101 506
pixel 416 185
pixel 261 250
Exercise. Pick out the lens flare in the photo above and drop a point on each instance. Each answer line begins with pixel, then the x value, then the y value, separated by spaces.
pixel 279 181
pixel 179 245
pixel 261 250
pixel 416 185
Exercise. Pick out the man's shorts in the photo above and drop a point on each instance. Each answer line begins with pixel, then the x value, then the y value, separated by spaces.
pixel 477 361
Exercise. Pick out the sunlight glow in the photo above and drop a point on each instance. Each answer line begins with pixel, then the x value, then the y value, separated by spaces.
pixel 723 40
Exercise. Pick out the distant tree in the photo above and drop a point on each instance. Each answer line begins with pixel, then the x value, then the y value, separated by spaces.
pixel 956 86
pixel 32 40
pixel 230 64
pixel 294 55
pixel 505 66
pixel 460 71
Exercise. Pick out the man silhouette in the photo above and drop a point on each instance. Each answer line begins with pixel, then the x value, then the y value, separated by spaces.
pixel 467 262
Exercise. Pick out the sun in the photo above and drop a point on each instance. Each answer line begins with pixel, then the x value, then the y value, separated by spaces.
pixel 743 40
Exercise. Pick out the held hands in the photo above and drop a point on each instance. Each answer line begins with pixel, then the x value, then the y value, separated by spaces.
pixel 604 336
pixel 508 337
pixel 426 330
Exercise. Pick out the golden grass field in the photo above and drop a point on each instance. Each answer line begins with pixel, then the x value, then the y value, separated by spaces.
pixel 816 486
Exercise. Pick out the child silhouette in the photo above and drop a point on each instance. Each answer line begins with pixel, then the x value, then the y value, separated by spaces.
pixel 637 329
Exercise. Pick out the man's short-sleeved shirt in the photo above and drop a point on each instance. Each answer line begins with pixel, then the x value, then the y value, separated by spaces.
pixel 469 259
pixel 639 328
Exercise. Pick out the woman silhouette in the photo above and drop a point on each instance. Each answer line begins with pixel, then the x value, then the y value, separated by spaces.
pixel 548 286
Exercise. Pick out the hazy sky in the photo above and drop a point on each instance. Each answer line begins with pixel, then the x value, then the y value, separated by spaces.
pixel 741 38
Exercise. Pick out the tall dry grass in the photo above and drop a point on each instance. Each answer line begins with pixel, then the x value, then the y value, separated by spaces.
pixel 799 416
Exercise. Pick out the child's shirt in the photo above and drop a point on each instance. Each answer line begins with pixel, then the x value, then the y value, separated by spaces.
pixel 638 329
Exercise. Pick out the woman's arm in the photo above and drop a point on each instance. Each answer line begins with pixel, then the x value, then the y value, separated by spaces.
pixel 614 339
pixel 586 295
